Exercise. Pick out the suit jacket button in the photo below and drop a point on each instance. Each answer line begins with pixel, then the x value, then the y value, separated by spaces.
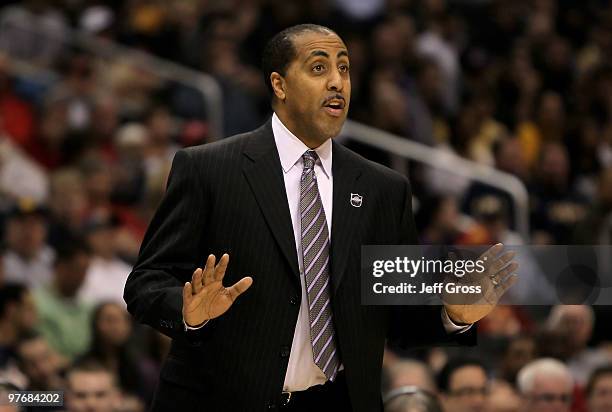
pixel 271 406
pixel 285 351
pixel 293 300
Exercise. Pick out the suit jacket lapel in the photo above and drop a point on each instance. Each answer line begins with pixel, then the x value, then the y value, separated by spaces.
pixel 344 216
pixel 264 175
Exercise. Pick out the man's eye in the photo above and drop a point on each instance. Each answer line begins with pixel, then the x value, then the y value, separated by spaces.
pixel 344 68
pixel 318 68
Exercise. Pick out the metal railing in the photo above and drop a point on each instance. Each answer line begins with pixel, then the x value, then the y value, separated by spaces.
pixel 165 69
pixel 443 160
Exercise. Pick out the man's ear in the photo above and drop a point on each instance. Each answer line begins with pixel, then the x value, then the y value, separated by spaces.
pixel 278 85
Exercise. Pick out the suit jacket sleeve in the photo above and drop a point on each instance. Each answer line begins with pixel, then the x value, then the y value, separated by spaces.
pixel 414 326
pixel 170 251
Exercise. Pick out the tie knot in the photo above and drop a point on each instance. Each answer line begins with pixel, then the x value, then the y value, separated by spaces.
pixel 309 157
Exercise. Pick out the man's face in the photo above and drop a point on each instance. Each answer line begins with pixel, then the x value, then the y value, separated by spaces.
pixel 38 361
pixel 71 274
pixel 91 392
pixel 549 394
pixel 600 399
pixel 468 390
pixel 314 95
pixel 26 234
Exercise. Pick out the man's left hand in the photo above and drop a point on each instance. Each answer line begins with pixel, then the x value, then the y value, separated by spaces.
pixel 499 275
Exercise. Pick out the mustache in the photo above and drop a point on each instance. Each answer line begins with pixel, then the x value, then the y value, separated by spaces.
pixel 336 96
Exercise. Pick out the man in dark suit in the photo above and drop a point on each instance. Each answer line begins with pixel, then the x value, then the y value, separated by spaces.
pixel 281 200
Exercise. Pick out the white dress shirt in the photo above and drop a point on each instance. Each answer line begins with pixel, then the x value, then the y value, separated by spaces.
pixel 302 372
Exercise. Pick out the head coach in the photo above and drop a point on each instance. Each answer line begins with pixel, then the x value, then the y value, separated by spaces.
pixel 287 332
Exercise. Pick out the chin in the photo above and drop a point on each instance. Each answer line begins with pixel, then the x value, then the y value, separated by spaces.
pixel 332 130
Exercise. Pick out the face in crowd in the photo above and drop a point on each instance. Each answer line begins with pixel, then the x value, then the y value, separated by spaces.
pixel 91 391
pixel 468 390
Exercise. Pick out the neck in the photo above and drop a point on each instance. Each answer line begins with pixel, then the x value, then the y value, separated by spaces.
pixel 63 292
pixel 8 334
pixel 293 128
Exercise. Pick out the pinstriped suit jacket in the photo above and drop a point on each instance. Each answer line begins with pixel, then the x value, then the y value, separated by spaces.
pixel 229 197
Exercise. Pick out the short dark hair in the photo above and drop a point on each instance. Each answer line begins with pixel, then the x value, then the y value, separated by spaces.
pixel 70 248
pixel 10 293
pixel 280 50
pixel 445 374
pixel 595 376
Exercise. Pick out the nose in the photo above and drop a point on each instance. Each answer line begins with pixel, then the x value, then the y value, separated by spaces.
pixel 334 82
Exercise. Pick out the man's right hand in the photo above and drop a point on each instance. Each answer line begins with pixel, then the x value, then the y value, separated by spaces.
pixel 205 297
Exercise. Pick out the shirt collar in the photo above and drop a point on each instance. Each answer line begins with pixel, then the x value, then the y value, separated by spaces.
pixel 291 149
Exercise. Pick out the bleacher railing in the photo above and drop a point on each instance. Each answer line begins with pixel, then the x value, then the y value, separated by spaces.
pixel 443 160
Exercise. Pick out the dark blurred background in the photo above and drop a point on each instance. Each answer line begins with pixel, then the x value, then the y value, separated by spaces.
pixel 499 110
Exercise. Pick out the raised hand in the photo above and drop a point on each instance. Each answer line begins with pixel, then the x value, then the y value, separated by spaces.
pixel 205 297
pixel 499 275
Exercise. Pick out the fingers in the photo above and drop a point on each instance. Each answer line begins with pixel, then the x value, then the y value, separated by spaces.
pixel 196 281
pixel 511 268
pixel 239 287
pixel 506 284
pixel 500 263
pixel 209 270
pixel 187 293
pixel 493 251
pixel 221 267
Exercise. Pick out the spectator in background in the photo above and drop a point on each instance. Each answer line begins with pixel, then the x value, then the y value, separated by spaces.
pixel 548 127
pixel 546 385
pixel 520 351
pixel 599 390
pixel 411 399
pixel 160 147
pixel 41 365
pixel 509 159
pixel 64 317
pixel 49 145
pixel 503 398
pixel 77 92
pixel 130 179
pixel 411 372
pixel 91 388
pixel 575 323
pixel 16 165
pixel 18 116
pixel 28 259
pixel 596 228
pixel 111 329
pixel 33 30
pixel 107 273
pixel 556 208
pixel 437 220
pixel 17 317
pixel 463 385
pixel 67 205
pixel 436 43
pixel 98 185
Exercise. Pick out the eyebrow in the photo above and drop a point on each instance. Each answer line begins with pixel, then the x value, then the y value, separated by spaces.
pixel 325 54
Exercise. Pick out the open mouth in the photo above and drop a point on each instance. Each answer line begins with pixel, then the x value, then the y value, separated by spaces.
pixel 334 107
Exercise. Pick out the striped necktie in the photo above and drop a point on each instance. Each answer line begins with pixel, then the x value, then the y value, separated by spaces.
pixel 315 253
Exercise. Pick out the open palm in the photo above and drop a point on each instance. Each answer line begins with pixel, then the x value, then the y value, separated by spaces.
pixel 205 297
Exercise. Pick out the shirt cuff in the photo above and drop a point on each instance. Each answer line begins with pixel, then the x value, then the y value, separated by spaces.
pixel 187 327
pixel 452 327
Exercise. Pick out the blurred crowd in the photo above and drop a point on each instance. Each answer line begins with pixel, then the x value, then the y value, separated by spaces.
pixel 86 143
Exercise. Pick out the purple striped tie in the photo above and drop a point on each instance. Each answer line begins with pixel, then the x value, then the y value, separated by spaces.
pixel 315 252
